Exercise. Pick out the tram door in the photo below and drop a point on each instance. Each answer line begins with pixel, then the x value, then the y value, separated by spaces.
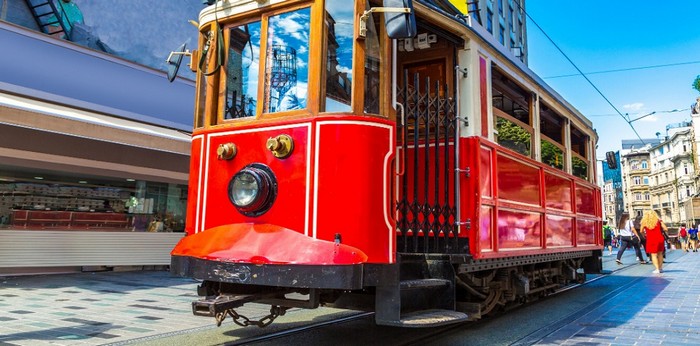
pixel 426 207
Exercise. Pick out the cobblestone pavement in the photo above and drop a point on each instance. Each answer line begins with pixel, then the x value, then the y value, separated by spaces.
pixel 654 309
pixel 122 307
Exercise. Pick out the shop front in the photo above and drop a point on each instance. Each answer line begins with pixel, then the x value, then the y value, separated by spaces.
pixel 81 190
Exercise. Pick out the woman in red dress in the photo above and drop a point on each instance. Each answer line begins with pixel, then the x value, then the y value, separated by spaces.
pixel 652 226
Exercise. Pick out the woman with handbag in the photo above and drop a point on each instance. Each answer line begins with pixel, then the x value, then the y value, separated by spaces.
pixel 655 245
pixel 629 236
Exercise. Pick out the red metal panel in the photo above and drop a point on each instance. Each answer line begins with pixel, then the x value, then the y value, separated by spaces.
pixel 486 157
pixel 517 181
pixel 194 186
pixel 533 208
pixel 485 227
pixel 265 244
pixel 518 229
pixel 353 191
pixel 585 200
pixel 291 205
pixel 559 230
pixel 586 232
pixel 558 192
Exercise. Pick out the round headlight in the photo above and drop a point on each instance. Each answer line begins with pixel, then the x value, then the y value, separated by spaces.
pixel 253 189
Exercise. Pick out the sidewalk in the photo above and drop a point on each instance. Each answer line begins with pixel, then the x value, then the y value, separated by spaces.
pixel 115 307
pixel 97 308
pixel 648 309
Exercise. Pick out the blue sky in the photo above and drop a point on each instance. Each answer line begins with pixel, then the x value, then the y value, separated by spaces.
pixel 603 35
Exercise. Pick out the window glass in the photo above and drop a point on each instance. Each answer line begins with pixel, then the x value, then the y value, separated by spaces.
pixel 579 167
pixel 511 105
pixel 242 68
pixel 373 62
pixel 512 136
pixel 579 161
pixel 339 41
pixel 287 59
pixel 552 155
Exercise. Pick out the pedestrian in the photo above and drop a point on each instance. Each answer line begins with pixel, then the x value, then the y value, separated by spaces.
pixel 683 237
pixel 629 236
pixel 654 229
pixel 693 239
pixel 607 236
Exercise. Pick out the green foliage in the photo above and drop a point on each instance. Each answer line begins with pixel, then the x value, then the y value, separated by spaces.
pixel 696 83
pixel 512 136
pixel 552 155
pixel 579 168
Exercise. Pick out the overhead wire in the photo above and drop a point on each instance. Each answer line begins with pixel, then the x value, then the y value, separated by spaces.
pixel 627 69
pixel 581 72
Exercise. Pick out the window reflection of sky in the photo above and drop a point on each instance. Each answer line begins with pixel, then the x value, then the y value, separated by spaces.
pixel 343 14
pixel 251 61
pixel 290 30
pixel 339 48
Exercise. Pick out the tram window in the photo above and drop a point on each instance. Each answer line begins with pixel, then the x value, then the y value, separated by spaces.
pixel 242 66
pixel 287 61
pixel 579 160
pixel 552 142
pixel 373 62
pixel 513 136
pixel 552 154
pixel 511 109
pixel 339 42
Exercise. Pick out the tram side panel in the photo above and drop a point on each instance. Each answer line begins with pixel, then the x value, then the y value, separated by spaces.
pixel 517 206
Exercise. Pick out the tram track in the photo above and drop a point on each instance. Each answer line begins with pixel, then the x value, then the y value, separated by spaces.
pixel 298 330
pixel 544 331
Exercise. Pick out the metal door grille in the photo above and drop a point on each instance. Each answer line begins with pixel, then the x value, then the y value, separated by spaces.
pixel 426 206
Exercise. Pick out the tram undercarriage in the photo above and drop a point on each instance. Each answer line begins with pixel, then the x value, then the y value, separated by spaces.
pixel 421 291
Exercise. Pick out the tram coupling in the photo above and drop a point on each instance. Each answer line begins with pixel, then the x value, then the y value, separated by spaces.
pixel 213 306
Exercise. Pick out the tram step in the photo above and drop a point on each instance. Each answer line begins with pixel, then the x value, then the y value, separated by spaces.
pixel 424 283
pixel 428 318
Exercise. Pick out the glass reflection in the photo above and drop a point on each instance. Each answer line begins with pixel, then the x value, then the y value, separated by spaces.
pixel 512 136
pixel 286 69
pixel 242 71
pixel 552 155
pixel 339 41
pixel 373 61
pixel 559 230
pixel 518 230
pixel 579 168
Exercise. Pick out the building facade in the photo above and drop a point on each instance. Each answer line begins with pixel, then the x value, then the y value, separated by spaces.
pixel 505 20
pixel 95 145
pixel 635 181
pixel 673 174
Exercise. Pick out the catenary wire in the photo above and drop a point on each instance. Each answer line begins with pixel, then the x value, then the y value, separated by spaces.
pixel 626 69
pixel 581 72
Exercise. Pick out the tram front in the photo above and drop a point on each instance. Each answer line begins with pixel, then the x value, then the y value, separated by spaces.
pixel 292 155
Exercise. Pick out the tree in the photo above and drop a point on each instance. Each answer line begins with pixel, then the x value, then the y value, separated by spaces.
pixel 696 83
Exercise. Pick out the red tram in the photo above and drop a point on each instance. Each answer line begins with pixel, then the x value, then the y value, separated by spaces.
pixel 381 157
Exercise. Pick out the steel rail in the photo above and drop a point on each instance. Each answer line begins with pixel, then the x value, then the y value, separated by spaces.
pixel 298 330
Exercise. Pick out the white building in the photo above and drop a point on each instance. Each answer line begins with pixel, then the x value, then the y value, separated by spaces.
pixel 672 173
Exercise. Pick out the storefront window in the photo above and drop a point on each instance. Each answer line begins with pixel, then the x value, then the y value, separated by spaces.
pixel 52 202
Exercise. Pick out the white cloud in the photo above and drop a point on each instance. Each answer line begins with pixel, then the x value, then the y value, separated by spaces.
pixel 634 106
